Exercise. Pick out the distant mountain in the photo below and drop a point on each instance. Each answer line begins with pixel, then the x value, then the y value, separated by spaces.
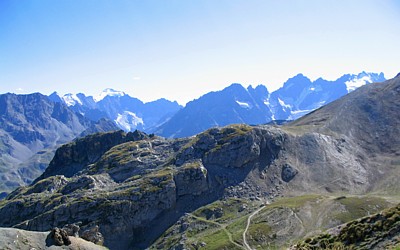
pixel 31 128
pixel 299 95
pixel 236 104
pixel 127 112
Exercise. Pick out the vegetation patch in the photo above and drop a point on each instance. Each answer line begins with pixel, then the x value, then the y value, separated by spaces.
pixel 259 233
pixel 218 240
pixel 357 207
pixel 223 211
pixel 295 202
pixel 364 233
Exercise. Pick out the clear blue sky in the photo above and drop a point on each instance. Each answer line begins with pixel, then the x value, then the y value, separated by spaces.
pixel 183 49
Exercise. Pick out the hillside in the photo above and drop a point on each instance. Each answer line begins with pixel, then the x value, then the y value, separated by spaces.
pixel 378 231
pixel 203 189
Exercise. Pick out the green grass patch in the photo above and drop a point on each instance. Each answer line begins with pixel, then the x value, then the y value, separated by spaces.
pixel 259 233
pixel 222 211
pixel 357 207
pixel 237 228
pixel 218 240
pixel 295 202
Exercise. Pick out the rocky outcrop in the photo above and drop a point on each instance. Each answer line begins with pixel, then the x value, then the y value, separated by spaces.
pixel 73 157
pixel 288 173
pixel 59 237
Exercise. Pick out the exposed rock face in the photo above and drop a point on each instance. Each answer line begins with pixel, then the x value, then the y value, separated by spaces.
pixel 134 186
pixel 191 179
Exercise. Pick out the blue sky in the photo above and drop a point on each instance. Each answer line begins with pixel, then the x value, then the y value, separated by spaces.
pixel 182 49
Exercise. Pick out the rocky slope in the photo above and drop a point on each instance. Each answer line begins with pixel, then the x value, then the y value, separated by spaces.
pixel 31 128
pixel 134 186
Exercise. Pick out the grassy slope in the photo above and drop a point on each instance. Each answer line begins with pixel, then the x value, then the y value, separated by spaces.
pixel 220 225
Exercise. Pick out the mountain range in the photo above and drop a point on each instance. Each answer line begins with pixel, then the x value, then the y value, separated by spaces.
pixel 127 112
pixel 33 126
pixel 234 104
pixel 31 129
pixel 232 187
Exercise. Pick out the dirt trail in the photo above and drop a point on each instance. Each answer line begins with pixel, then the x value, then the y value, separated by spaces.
pixel 247 246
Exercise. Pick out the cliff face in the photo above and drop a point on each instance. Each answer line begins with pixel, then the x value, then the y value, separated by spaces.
pixel 134 186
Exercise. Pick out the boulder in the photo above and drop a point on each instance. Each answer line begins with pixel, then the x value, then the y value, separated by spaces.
pixel 288 173
pixel 59 237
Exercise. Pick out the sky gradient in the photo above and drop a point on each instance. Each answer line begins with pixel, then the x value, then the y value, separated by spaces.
pixel 183 49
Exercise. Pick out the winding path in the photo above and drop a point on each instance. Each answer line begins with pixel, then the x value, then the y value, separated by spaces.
pixel 247 246
pixel 222 226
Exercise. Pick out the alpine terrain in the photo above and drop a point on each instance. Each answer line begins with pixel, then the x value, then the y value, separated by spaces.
pixel 232 187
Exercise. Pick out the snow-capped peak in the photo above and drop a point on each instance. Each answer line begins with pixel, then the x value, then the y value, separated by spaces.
pixel 108 92
pixel 363 78
pixel 71 99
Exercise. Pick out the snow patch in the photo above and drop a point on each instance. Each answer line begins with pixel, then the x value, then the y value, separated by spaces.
pixel 108 92
pixel 357 82
pixel 71 99
pixel 128 121
pixel 244 105
pixel 283 104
